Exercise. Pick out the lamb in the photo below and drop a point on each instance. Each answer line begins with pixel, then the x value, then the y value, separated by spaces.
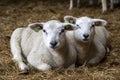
pixel 91 39
pixel 104 4
pixel 44 45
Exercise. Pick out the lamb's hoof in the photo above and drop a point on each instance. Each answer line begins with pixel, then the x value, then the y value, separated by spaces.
pixel 26 71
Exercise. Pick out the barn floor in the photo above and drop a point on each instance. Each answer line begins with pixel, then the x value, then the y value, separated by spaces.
pixel 15 14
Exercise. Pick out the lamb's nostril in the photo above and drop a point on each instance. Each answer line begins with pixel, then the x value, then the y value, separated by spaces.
pixel 53 43
pixel 86 36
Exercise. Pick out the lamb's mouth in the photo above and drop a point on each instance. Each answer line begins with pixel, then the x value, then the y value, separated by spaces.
pixel 53 47
pixel 85 40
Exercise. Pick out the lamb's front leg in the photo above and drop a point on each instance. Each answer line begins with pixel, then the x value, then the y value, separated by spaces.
pixel 18 58
pixel 38 61
pixel 97 58
pixel 43 67
pixel 16 50
pixel 97 52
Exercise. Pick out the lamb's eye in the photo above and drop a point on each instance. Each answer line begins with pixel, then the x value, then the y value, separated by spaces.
pixel 93 25
pixel 44 31
pixel 77 25
pixel 62 31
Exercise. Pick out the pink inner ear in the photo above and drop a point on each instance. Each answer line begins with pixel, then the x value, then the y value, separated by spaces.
pixel 69 18
pixel 39 25
pixel 36 25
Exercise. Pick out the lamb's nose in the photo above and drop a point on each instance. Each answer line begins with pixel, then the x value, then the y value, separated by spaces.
pixel 85 36
pixel 53 44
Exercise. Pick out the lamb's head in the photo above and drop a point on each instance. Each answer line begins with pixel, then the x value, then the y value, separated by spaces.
pixel 86 27
pixel 53 32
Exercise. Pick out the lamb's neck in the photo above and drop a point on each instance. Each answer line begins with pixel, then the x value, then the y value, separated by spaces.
pixel 82 48
pixel 63 52
pixel 84 45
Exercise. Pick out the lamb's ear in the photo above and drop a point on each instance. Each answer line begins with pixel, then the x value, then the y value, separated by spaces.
pixel 36 26
pixel 99 22
pixel 70 19
pixel 68 26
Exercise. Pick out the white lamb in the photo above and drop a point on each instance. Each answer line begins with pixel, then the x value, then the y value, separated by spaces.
pixel 44 45
pixel 90 40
